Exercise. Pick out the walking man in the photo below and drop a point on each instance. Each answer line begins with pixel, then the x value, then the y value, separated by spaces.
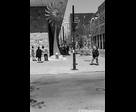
pixel 95 55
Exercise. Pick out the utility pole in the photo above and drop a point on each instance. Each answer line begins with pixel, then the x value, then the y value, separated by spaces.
pixel 73 32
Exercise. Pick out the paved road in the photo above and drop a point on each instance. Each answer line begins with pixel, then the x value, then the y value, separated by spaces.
pixel 67 93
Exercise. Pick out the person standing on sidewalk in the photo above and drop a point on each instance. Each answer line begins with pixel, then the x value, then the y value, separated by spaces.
pixel 67 50
pixel 45 53
pixel 95 55
pixel 39 54
pixel 33 54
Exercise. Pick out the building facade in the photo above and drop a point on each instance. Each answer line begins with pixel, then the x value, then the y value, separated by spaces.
pixel 97 27
pixel 64 32
pixel 83 21
pixel 44 25
pixel 39 33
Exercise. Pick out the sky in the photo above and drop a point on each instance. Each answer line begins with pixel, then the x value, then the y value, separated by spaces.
pixel 82 6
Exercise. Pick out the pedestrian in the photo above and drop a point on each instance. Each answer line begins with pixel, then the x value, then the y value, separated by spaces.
pixel 33 54
pixel 45 53
pixel 95 55
pixel 67 50
pixel 63 49
pixel 39 54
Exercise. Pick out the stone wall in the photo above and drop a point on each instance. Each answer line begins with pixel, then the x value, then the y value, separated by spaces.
pixel 39 39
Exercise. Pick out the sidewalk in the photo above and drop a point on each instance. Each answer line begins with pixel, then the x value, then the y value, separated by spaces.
pixel 101 52
pixel 65 66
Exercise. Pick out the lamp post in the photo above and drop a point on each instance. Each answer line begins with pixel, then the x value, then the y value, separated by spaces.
pixel 73 32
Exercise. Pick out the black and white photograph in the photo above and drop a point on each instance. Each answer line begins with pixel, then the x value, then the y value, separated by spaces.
pixel 67 55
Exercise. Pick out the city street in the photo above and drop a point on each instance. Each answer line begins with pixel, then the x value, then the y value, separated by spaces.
pixel 54 87
pixel 67 56
pixel 67 92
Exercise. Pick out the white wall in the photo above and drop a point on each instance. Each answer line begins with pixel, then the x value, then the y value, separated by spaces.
pixel 41 37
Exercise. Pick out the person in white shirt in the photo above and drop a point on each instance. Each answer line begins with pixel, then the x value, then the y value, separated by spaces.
pixel 45 53
pixel 33 53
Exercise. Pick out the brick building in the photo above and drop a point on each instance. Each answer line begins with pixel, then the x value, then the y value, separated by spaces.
pixel 64 32
pixel 83 20
pixel 97 27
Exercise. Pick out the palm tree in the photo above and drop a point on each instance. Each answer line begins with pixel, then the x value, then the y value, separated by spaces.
pixel 55 14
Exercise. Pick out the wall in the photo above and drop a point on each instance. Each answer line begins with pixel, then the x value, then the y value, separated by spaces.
pixel 39 25
pixel 39 39
pixel 38 28
pixel 97 26
pixel 38 21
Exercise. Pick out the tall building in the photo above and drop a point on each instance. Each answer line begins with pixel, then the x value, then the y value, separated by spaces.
pixel 66 29
pixel 64 32
pixel 44 25
pixel 97 27
pixel 83 20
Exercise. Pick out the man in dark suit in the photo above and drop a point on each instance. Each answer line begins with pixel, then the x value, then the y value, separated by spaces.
pixel 39 54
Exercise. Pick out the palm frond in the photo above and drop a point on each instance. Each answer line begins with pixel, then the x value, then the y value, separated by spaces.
pixel 53 4
pixel 48 8
pixel 47 11
pixel 56 6
pixel 59 5
pixel 47 15
pixel 50 5
pixel 48 18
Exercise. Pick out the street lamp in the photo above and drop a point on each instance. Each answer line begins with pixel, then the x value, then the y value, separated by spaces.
pixel 73 30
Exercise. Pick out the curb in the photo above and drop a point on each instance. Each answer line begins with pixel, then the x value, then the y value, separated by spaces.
pixel 65 73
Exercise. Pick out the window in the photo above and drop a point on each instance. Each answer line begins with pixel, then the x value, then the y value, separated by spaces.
pixel 103 18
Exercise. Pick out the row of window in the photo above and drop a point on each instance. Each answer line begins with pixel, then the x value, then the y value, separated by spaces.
pixel 98 30
pixel 97 22
pixel 102 19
